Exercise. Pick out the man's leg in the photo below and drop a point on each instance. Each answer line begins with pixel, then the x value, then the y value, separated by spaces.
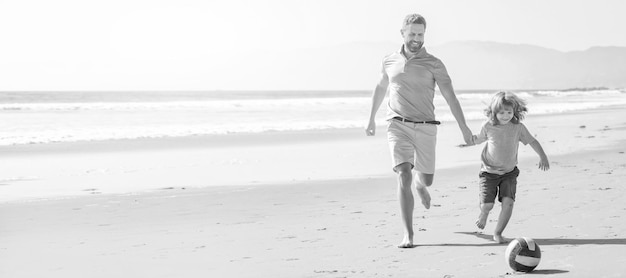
pixel 505 215
pixel 421 183
pixel 407 203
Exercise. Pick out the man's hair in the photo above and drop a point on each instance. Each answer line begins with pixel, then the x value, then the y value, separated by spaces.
pixel 414 19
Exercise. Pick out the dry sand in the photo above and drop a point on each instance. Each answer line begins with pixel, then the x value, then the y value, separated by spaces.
pixel 308 204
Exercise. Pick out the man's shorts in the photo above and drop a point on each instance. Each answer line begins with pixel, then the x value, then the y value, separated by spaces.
pixel 493 184
pixel 413 143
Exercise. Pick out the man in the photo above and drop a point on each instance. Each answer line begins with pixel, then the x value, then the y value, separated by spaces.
pixel 409 76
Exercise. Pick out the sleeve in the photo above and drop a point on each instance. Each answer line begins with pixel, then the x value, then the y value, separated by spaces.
pixel 482 136
pixel 441 73
pixel 525 136
pixel 383 72
pixel 383 80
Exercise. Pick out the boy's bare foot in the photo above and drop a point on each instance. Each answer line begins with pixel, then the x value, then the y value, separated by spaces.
pixel 499 239
pixel 407 242
pixel 482 220
pixel 425 196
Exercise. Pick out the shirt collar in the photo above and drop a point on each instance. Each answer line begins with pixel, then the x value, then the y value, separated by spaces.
pixel 421 53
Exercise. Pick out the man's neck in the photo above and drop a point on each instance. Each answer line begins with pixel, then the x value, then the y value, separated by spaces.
pixel 408 54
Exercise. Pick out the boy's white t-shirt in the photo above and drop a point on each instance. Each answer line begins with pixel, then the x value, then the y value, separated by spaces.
pixel 500 153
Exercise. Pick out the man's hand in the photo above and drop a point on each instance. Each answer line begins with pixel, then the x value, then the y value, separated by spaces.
pixel 467 136
pixel 371 128
pixel 472 143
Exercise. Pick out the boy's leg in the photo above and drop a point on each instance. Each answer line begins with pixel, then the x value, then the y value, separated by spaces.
pixel 407 202
pixel 508 188
pixel 485 208
pixel 505 215
pixel 488 189
pixel 421 183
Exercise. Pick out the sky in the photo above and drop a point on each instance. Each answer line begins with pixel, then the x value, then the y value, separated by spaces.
pixel 204 45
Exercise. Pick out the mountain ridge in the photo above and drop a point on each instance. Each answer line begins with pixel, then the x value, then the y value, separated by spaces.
pixel 479 65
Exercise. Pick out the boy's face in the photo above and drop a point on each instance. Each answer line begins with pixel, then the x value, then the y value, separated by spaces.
pixel 505 114
pixel 413 36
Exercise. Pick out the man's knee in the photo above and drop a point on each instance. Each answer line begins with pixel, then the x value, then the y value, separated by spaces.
pixel 404 168
pixel 425 179
pixel 404 173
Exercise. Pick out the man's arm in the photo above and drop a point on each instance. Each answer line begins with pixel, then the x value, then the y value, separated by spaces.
pixel 448 93
pixel 377 99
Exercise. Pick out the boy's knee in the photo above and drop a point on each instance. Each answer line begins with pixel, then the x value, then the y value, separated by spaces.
pixel 509 202
pixel 486 206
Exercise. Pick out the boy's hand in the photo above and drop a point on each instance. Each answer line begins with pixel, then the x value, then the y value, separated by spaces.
pixel 544 164
pixel 471 142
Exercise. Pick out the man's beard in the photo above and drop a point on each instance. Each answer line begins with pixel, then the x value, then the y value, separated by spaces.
pixel 414 46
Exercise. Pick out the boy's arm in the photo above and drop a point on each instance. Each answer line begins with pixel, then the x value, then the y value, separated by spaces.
pixel 455 107
pixel 543 159
pixel 475 140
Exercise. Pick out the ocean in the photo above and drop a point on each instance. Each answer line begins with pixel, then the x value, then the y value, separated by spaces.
pixel 48 117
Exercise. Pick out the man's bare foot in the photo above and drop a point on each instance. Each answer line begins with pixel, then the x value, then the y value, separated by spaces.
pixel 482 220
pixel 425 196
pixel 407 242
pixel 499 239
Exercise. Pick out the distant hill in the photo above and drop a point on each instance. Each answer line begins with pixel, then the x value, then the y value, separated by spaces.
pixel 489 65
pixel 471 64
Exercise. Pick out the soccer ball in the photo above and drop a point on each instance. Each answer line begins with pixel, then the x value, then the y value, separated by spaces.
pixel 523 254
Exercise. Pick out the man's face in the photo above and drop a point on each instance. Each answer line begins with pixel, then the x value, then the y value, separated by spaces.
pixel 413 35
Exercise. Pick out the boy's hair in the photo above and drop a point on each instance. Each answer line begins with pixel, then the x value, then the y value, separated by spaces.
pixel 504 98
pixel 414 19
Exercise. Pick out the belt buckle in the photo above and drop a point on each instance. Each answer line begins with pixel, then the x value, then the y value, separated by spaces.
pixel 402 119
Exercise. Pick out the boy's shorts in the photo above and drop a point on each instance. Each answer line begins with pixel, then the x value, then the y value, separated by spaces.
pixel 413 143
pixel 502 185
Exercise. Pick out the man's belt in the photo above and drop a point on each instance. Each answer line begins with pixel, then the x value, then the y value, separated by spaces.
pixel 417 122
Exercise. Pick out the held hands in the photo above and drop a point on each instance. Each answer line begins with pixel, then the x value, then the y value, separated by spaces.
pixel 467 136
pixel 472 142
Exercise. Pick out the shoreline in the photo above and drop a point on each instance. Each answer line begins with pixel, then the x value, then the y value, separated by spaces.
pixel 234 139
pixel 132 166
